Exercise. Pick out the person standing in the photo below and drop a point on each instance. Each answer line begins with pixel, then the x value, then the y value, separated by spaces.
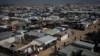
pixel 95 26
pixel 38 49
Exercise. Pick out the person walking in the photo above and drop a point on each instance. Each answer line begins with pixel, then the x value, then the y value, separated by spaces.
pixel 64 44
pixel 55 48
pixel 75 38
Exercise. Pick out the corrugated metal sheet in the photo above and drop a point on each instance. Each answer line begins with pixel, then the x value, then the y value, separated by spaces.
pixel 69 49
pixel 84 45
pixel 46 39
pixel 5 35
pixel 52 32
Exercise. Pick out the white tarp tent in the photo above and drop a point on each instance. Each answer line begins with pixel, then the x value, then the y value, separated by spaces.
pixel 36 43
pixel 47 39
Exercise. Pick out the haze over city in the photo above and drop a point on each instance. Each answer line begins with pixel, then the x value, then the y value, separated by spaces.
pixel 47 1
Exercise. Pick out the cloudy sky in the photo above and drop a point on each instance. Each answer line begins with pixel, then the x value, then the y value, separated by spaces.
pixel 47 1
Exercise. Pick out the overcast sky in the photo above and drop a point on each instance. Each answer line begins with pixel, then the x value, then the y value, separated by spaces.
pixel 47 1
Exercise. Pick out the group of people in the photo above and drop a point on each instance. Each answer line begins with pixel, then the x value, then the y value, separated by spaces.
pixel 33 50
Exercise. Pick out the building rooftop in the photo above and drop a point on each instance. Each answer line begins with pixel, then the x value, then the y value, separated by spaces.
pixel 6 44
pixel 46 39
pixel 53 31
pixel 33 33
pixel 82 44
pixel 69 49
pixel 5 35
